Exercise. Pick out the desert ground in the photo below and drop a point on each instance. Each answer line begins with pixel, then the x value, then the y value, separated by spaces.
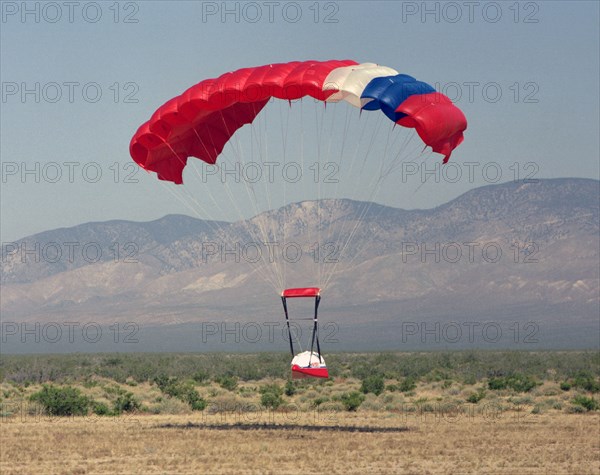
pixel 425 443
pixel 117 414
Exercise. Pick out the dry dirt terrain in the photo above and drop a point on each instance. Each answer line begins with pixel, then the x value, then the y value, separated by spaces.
pixel 427 443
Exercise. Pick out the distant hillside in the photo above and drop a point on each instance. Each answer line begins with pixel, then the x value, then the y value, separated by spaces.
pixel 515 252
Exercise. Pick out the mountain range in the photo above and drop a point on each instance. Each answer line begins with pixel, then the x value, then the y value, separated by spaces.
pixel 519 258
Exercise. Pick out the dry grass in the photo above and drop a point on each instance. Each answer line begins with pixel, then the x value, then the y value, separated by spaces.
pixel 504 433
pixel 504 443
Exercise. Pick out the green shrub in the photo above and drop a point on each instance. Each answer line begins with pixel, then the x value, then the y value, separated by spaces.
pixel 200 376
pixel 320 400
pixel 592 385
pixel 113 361
pixel 271 396
pixel 565 386
pixel 62 401
pixel 521 383
pixel 496 384
pixel 196 402
pixel 184 391
pixel 585 380
pixel 228 382
pixel 89 383
pixel 126 402
pixel 517 382
pixel 101 409
pixel 271 388
pixel 575 410
pixel 373 384
pixel 474 398
pixel 271 400
pixel 168 386
pixel 352 401
pixel 407 384
pixel 290 388
pixel 588 403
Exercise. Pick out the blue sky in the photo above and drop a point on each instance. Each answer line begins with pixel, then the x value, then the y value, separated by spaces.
pixel 92 80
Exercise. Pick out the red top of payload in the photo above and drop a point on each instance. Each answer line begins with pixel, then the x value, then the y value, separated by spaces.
pixel 301 292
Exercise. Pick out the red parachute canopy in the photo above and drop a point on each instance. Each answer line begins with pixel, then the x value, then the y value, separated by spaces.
pixel 199 122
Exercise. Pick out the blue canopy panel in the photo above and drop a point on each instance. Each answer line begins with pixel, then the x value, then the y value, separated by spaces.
pixel 387 93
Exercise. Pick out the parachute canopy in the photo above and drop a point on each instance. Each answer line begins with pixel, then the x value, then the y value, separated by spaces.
pixel 199 122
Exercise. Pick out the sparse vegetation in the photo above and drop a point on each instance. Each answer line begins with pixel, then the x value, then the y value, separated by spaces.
pixel 184 391
pixel 61 401
pixel 353 400
pixel 101 409
pixel 474 398
pixel 256 389
pixel 228 382
pixel 177 384
pixel 290 388
pixel 271 396
pixel 373 384
pixel 517 382
pixel 468 367
pixel 565 386
pixel 407 384
pixel 126 402
pixel 586 381
pixel 588 403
